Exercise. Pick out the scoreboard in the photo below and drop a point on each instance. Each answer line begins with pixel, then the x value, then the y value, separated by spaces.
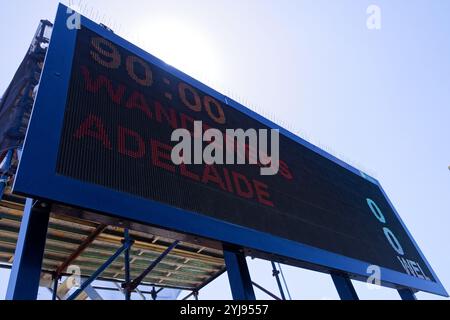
pixel 100 135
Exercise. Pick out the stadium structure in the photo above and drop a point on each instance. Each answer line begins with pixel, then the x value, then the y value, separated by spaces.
pixel 84 230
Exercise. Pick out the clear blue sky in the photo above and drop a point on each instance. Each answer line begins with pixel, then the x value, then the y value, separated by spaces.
pixel 378 98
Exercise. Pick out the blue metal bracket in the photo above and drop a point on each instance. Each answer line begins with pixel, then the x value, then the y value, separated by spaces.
pixel 344 287
pixel 26 269
pixel 99 271
pixel 238 274
pixel 407 294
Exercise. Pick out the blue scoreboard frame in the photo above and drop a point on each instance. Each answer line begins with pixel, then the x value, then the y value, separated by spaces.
pixel 37 177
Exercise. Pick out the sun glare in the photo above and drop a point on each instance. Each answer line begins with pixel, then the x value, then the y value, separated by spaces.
pixel 183 46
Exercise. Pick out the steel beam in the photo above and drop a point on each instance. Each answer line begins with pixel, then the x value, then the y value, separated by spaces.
pixel 276 273
pixel 26 269
pixel 188 296
pixel 344 287
pixel 162 286
pixel 136 282
pixel 407 294
pixel 103 267
pixel 80 249
pixel 127 292
pixel 238 274
pixel 91 293
pixel 55 287
pixel 204 284
pixel 139 292
pixel 266 291
pixel 284 281
pixel 51 292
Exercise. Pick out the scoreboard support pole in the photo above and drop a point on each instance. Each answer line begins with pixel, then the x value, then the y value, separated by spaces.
pixel 127 291
pixel 238 274
pixel 26 269
pixel 407 294
pixel 276 273
pixel 344 287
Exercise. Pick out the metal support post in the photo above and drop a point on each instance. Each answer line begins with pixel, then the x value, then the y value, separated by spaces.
pixel 26 269
pixel 407 294
pixel 55 286
pixel 127 265
pixel 238 274
pixel 276 273
pixel 154 292
pixel 344 287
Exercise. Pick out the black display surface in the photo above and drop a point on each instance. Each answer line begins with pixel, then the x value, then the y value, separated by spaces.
pixel 119 117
